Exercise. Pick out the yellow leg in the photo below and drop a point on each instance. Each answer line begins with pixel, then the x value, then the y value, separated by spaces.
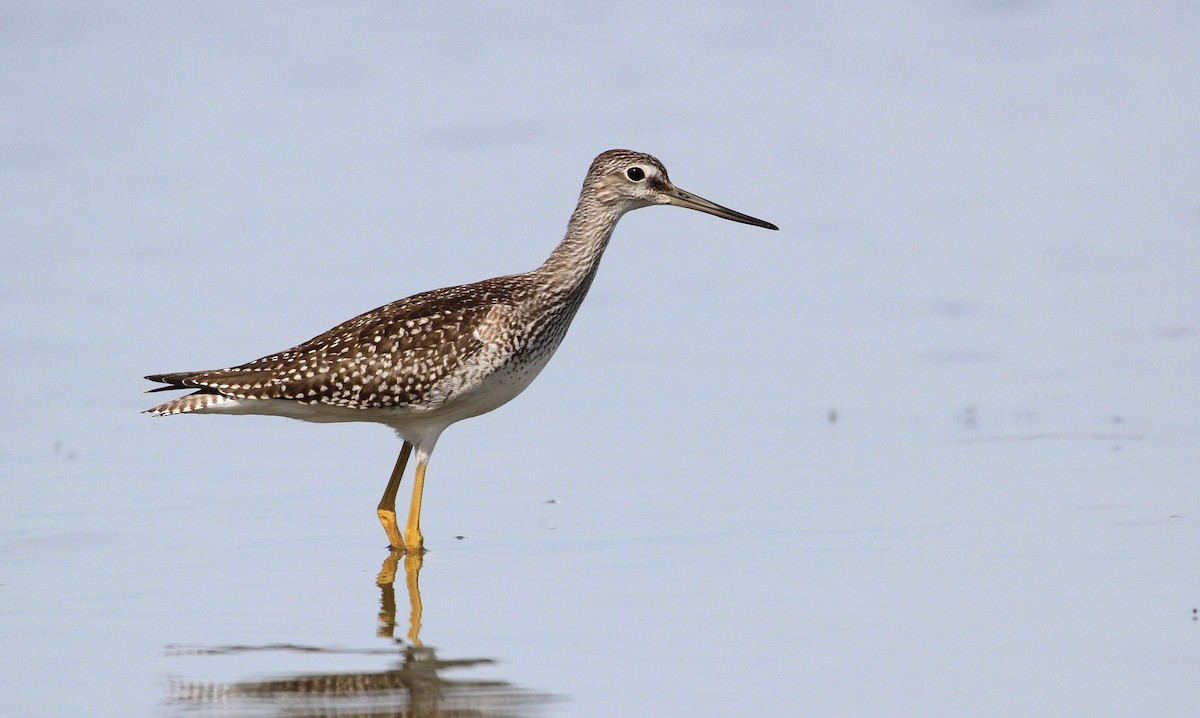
pixel 414 543
pixel 387 505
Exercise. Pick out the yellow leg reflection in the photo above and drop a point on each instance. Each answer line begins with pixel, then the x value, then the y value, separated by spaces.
pixel 387 597
pixel 412 571
pixel 386 582
pixel 387 504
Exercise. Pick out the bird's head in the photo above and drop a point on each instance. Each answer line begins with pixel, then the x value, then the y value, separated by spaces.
pixel 629 180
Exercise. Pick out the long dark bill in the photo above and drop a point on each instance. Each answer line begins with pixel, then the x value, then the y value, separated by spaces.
pixel 679 198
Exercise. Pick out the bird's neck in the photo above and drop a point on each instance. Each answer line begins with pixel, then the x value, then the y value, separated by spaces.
pixel 574 261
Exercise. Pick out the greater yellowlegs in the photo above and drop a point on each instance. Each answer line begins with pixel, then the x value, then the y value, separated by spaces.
pixel 422 363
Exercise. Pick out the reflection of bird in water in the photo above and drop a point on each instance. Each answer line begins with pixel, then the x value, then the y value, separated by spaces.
pixel 413 688
pixel 420 364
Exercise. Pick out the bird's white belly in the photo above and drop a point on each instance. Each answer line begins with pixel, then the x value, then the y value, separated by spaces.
pixel 471 393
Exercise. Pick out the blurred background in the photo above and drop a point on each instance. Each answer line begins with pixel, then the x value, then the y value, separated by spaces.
pixel 932 448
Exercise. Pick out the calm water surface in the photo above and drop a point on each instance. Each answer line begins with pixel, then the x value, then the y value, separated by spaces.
pixel 932 449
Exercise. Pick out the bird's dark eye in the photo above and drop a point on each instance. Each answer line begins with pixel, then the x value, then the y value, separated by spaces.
pixel 637 174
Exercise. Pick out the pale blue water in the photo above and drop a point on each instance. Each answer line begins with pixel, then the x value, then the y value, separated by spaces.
pixel 987 271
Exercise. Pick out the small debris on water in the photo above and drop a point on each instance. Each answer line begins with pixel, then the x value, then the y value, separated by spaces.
pixel 459 538
pixel 832 416
pixel 58 450
pixel 551 501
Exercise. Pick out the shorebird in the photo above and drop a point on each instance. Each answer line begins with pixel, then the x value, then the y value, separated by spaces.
pixel 420 364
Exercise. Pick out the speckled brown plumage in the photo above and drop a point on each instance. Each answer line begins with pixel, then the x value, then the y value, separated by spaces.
pixel 397 354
